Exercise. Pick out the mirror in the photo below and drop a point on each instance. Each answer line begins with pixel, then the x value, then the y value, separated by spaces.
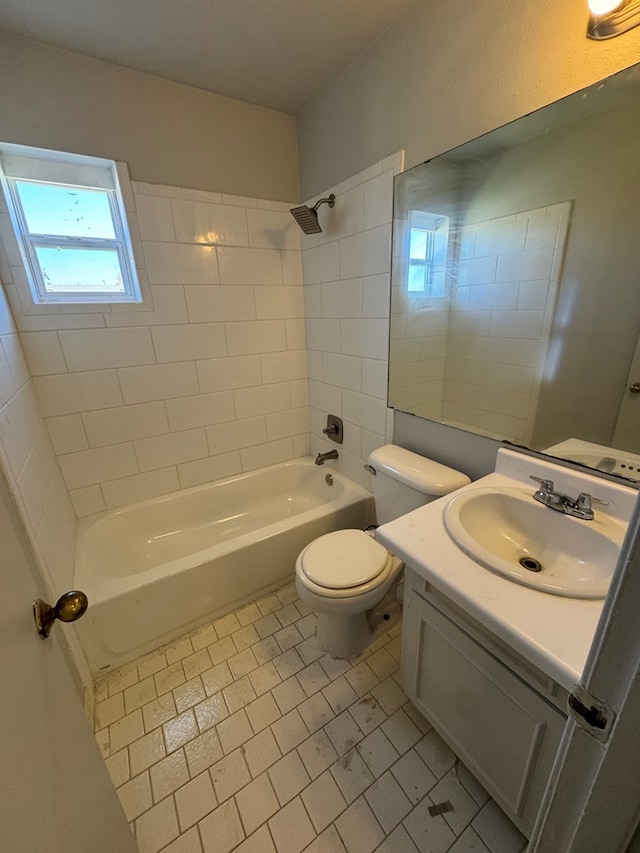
pixel 515 307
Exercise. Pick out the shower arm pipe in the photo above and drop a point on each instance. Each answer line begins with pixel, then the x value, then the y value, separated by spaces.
pixel 330 200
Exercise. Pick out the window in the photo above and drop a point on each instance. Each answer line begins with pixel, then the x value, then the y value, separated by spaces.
pixel 68 217
pixel 428 240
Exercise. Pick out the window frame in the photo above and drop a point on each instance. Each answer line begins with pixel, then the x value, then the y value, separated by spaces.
pixel 42 166
pixel 438 226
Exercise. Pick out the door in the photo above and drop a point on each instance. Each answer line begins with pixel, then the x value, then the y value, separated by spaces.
pixel 55 792
pixel 592 803
pixel 625 436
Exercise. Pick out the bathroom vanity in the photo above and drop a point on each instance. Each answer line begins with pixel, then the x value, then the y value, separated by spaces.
pixel 489 661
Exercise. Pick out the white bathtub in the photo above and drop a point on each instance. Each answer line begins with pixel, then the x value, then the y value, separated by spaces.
pixel 159 568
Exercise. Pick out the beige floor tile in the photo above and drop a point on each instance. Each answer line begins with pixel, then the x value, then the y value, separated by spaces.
pixel 262 712
pixel 213 710
pixel 261 752
pixel 118 767
pixel 226 625
pixel 139 694
pixel 323 801
pixel 157 827
pixel 189 694
pixel 196 663
pixel 317 753
pixel 238 694
pixel 388 802
pixel 151 664
pixel 245 637
pixel 415 778
pixel 180 730
pixel 288 777
pixel 109 711
pixel 221 831
pixel 168 775
pixel 259 842
pixel 194 800
pixel 378 751
pixel 256 803
pixel 234 731
pixel 188 842
pixel 352 775
pixel 288 694
pixel 289 731
pixel 202 752
pixel 229 775
pixel 264 678
pixel 291 828
pixel 169 678
pixel 126 730
pixel 146 751
pixel 249 614
pixel 429 832
pixel 264 755
pixel 159 711
pixel 358 828
pixel 216 678
pixel 135 796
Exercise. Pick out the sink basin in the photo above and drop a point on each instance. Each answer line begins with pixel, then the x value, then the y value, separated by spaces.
pixel 508 532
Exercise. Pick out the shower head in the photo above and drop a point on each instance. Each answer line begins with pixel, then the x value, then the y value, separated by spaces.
pixel 307 217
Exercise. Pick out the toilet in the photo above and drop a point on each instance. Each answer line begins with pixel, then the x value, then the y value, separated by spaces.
pixel 344 575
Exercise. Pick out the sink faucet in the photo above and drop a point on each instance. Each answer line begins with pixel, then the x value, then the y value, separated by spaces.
pixel 580 507
pixel 321 458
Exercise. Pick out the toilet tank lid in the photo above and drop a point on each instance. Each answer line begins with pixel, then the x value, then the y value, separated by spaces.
pixel 422 474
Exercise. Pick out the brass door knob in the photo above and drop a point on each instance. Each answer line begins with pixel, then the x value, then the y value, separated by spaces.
pixel 635 388
pixel 69 607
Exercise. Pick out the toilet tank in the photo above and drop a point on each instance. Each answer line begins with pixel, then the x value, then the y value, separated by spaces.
pixel 403 481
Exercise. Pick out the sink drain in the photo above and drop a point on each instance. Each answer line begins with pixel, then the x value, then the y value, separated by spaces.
pixel 530 564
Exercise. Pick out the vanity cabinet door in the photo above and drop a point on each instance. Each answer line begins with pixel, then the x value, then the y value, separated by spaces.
pixel 501 728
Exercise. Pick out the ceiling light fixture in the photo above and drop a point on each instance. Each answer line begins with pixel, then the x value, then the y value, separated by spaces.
pixel 610 18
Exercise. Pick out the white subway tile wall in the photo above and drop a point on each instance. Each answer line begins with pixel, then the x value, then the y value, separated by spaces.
pixel 205 379
pixel 28 457
pixel 476 360
pixel 346 292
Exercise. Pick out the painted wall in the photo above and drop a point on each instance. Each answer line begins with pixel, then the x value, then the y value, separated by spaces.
pixel 168 133
pixel 446 74
pixel 205 379
pixel 346 288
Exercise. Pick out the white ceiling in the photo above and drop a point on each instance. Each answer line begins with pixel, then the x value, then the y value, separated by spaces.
pixel 277 53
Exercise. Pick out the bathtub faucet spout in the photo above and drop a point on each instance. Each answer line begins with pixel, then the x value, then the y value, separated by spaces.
pixel 321 458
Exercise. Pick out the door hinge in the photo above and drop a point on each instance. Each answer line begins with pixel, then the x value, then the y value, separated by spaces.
pixel 591 714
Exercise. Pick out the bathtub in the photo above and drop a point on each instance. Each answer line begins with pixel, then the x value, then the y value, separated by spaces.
pixel 157 569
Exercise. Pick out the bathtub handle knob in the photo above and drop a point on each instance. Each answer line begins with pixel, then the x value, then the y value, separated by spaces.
pixel 69 607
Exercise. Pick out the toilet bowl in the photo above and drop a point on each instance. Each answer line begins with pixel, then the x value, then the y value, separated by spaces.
pixel 343 576
pixel 346 574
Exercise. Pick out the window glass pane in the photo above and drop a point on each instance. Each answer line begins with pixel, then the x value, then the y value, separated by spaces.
pixel 418 245
pixel 68 270
pixel 66 211
pixel 416 278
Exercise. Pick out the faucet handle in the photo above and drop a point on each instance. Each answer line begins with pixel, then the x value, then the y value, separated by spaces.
pixel 545 485
pixel 584 501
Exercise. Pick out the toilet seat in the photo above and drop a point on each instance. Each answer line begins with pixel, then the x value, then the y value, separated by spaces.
pixel 343 564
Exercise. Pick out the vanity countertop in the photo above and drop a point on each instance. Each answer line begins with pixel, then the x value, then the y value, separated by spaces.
pixel 554 633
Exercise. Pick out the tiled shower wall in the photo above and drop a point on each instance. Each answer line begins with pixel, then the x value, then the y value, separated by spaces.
pixel 346 278
pixel 502 307
pixel 205 379
pixel 29 461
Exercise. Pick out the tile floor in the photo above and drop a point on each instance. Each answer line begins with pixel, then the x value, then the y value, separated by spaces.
pixel 244 737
